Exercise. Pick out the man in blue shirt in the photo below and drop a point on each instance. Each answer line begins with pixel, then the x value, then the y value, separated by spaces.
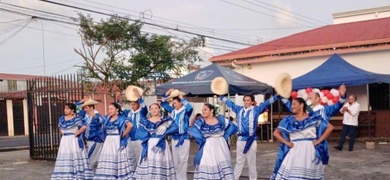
pixel 134 115
pixel 180 113
pixel 94 133
pixel 247 116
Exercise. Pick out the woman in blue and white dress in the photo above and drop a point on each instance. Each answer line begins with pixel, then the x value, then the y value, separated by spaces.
pixel 72 161
pixel 113 161
pixel 212 161
pixel 156 161
pixel 299 155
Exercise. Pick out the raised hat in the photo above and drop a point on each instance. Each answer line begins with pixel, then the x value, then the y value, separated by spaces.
pixel 174 93
pixel 219 86
pixel 89 102
pixel 130 92
pixel 283 85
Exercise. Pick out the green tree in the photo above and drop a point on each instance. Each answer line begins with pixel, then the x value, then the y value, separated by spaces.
pixel 117 53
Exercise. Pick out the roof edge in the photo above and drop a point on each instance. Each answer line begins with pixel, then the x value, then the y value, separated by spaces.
pixel 304 55
pixel 301 49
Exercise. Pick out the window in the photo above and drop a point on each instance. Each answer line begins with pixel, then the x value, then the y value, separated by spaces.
pixel 379 96
pixel 12 85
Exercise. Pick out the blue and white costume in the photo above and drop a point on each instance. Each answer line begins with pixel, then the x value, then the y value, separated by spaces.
pixel 212 161
pixel 247 126
pixel 156 160
pixel 325 112
pixel 114 163
pixel 303 161
pixel 134 148
pixel 72 161
pixel 180 140
pixel 94 135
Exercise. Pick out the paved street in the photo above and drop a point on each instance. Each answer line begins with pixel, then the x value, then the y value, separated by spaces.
pixel 16 141
pixel 360 164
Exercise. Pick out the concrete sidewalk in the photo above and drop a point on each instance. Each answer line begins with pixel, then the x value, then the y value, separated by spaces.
pixel 12 143
pixel 360 164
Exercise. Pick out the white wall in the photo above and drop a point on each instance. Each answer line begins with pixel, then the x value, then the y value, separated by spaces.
pixel 338 19
pixel 4 86
pixel 377 61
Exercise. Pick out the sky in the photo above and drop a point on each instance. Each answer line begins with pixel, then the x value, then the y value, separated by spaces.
pixel 43 47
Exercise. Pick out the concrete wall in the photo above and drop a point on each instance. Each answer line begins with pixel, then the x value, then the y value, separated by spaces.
pixel 361 15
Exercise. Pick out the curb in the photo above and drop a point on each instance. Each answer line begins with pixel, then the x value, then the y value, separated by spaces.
pixel 18 148
pixel 13 137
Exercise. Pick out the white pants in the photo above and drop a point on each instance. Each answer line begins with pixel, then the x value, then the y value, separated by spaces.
pixel 137 148
pixel 250 156
pixel 180 158
pixel 93 160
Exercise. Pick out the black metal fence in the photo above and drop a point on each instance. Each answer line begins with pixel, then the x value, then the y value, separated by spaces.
pixel 46 98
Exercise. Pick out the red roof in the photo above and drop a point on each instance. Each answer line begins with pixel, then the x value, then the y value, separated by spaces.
pixel 368 32
pixel 13 95
pixel 5 76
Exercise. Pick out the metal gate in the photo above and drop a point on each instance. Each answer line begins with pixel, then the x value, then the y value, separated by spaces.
pixel 46 98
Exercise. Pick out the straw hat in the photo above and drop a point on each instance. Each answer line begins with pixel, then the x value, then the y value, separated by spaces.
pixel 89 102
pixel 283 85
pixel 174 93
pixel 130 93
pixel 219 86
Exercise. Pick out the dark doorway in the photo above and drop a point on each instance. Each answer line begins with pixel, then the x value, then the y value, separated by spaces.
pixel 3 118
pixel 17 108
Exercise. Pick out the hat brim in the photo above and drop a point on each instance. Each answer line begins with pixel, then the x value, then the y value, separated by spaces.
pixel 174 93
pixel 219 86
pixel 283 85
pixel 89 102
pixel 130 93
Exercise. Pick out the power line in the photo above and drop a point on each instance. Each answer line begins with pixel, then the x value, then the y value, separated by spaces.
pixel 74 65
pixel 260 29
pixel 281 12
pixel 291 12
pixel 147 23
pixel 14 34
pixel 12 20
pixel 10 29
pixel 43 50
pixel 187 25
pixel 40 66
pixel 72 23
pixel 260 12
pixel 36 10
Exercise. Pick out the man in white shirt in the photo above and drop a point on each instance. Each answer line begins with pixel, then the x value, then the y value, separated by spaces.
pixel 350 122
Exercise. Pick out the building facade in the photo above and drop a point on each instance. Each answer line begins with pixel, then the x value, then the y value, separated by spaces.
pixel 13 104
pixel 360 37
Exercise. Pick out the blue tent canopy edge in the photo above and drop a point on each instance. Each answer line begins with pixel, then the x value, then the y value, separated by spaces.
pixel 336 71
pixel 198 83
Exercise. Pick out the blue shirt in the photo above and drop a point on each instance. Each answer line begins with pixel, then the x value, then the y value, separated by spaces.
pixel 135 117
pixel 181 117
pixel 247 119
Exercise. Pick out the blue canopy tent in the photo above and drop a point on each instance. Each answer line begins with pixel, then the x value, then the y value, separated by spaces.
pixel 198 83
pixel 336 71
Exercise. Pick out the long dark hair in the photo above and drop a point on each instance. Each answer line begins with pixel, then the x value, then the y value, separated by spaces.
pixel 118 107
pixel 211 107
pixel 302 101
